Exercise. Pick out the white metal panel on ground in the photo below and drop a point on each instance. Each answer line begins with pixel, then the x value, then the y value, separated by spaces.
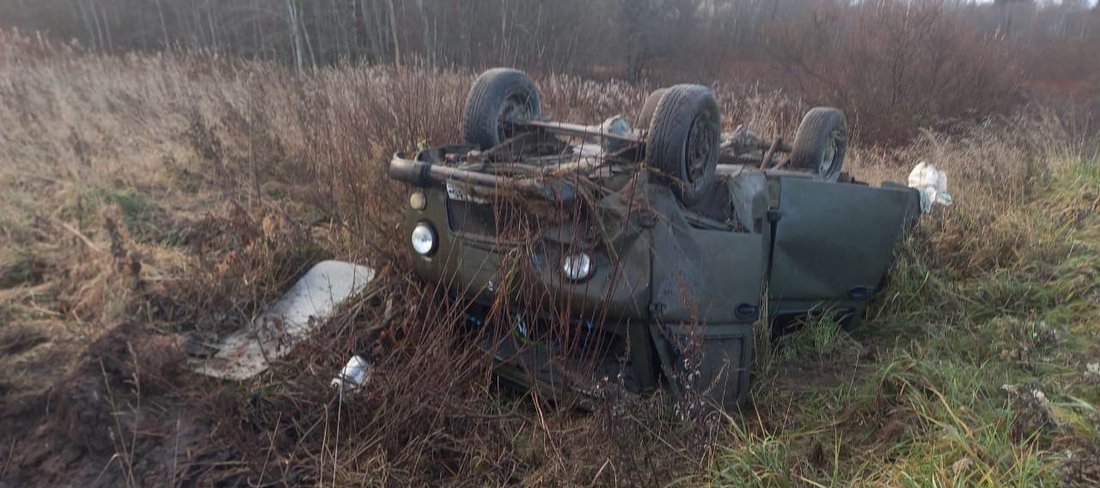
pixel 283 324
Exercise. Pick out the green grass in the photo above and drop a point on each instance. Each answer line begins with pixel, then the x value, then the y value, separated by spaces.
pixel 145 219
pixel 949 394
pixel 17 266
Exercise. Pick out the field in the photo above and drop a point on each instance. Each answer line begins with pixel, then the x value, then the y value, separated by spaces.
pixel 151 202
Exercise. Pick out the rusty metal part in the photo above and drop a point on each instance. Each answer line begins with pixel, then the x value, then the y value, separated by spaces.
pixel 783 162
pixel 423 174
pixel 771 151
pixel 579 130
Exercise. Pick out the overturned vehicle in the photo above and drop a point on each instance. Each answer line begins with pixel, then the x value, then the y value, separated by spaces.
pixel 643 256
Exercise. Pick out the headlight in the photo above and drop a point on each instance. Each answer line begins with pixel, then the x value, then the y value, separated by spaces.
pixel 424 239
pixel 577 267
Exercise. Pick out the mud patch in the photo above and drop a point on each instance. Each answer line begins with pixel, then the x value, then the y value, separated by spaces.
pixel 119 418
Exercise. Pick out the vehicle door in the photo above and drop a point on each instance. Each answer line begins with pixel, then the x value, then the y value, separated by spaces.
pixel 833 242
pixel 707 274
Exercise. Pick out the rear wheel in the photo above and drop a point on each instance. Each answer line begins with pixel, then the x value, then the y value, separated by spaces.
pixel 821 143
pixel 499 98
pixel 683 139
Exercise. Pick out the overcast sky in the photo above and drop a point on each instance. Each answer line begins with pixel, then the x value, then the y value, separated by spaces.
pixel 1089 2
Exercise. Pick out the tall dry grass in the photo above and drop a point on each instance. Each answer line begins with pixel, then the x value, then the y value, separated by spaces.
pixel 222 182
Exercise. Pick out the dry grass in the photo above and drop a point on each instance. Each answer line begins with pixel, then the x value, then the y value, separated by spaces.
pixel 152 197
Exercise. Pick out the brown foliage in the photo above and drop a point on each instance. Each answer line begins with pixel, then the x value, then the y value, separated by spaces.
pixel 895 67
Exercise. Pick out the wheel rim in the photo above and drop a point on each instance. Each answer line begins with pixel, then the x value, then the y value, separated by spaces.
pixel 516 107
pixel 828 155
pixel 700 148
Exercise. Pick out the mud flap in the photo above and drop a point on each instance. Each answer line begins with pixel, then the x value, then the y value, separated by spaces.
pixel 712 361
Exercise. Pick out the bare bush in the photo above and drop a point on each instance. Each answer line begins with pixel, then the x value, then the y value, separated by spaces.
pixel 895 66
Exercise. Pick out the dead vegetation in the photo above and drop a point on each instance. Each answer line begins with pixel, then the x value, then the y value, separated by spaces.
pixel 152 203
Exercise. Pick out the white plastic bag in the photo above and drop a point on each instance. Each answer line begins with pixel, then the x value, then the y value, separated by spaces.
pixel 932 184
pixel 355 375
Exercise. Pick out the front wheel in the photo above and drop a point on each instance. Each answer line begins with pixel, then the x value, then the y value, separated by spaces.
pixel 821 143
pixel 682 142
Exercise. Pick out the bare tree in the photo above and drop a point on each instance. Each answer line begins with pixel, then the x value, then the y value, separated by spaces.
pixel 294 27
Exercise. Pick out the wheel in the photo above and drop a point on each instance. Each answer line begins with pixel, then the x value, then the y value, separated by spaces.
pixel 821 143
pixel 683 138
pixel 648 107
pixel 499 97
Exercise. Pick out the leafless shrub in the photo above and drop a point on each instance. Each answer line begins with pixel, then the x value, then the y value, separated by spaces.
pixel 895 66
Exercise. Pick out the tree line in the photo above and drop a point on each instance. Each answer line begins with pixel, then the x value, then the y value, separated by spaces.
pixel 893 64
pixel 624 38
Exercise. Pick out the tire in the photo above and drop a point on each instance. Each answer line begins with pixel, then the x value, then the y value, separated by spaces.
pixel 649 107
pixel 498 96
pixel 682 142
pixel 821 143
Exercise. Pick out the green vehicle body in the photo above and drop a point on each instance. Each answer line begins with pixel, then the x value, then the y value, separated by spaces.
pixel 805 247
pixel 645 260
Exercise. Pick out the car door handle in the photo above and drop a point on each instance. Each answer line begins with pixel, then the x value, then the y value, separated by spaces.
pixel 746 311
pixel 861 292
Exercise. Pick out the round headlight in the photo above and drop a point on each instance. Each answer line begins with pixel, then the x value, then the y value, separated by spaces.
pixel 577 266
pixel 423 239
